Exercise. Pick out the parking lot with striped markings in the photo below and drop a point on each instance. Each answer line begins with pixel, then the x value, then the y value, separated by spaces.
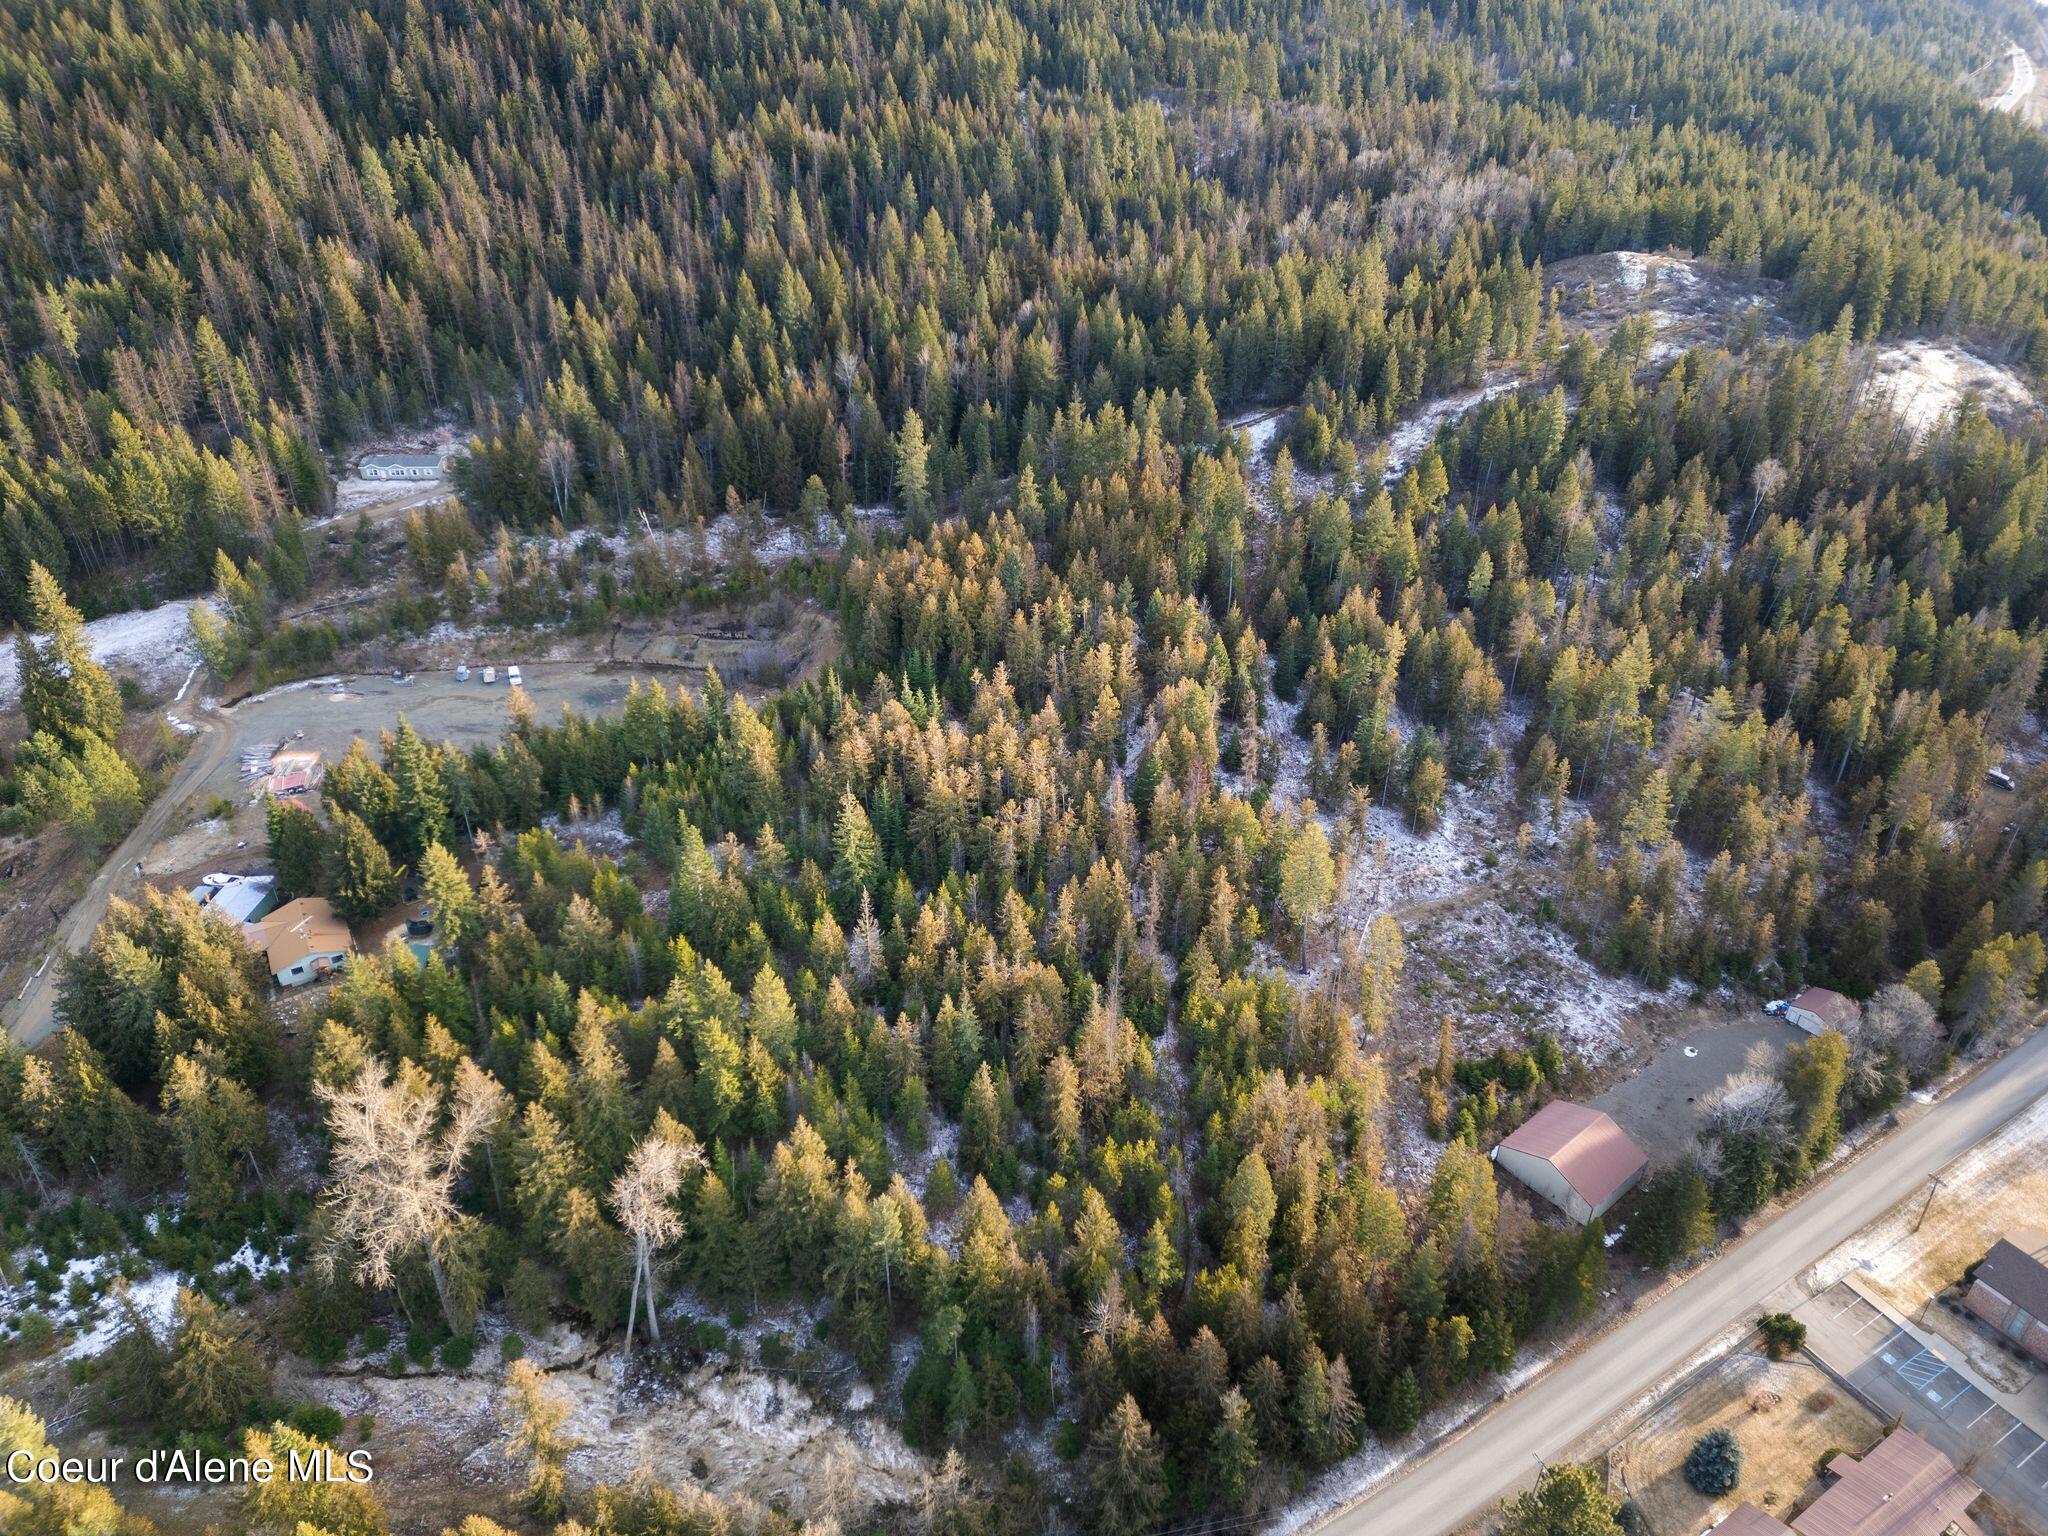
pixel 1899 1374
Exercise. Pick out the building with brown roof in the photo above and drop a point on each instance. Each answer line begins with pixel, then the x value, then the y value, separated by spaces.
pixel 1818 1010
pixel 2009 1290
pixel 1576 1158
pixel 303 940
pixel 1748 1520
pixel 1902 1486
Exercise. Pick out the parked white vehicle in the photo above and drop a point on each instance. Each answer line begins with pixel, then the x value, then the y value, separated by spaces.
pixel 462 673
pixel 490 674
pixel 513 678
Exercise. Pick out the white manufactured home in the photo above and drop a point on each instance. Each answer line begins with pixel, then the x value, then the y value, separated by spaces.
pixel 400 466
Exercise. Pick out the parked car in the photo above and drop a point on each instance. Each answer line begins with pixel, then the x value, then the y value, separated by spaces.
pixel 512 677
pixel 462 673
pixel 2000 778
pixel 490 674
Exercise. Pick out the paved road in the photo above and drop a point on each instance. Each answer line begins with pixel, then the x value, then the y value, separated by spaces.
pixel 33 1015
pixel 1500 1451
pixel 2019 87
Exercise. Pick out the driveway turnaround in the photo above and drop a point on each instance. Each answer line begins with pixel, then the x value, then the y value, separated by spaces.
pixel 1499 1451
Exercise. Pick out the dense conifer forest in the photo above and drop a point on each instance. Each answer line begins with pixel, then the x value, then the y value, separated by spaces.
pixel 987 1005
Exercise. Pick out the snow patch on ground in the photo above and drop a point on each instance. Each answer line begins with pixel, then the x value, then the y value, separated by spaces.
pixel 1260 427
pixel 352 493
pixel 1513 975
pixel 725 540
pixel 154 1299
pixel 1924 382
pixel 1886 1252
pixel 1408 441
pixel 604 834
pixel 1352 1479
pixel 153 645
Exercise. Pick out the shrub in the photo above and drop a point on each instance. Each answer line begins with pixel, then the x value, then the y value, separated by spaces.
pixel 316 1420
pixel 511 1347
pixel 1783 1333
pixel 1630 1518
pixel 457 1353
pixel 1714 1464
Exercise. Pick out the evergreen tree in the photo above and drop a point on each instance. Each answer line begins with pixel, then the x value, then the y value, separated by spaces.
pixel 359 877
pixel 1126 1475
pixel 216 1369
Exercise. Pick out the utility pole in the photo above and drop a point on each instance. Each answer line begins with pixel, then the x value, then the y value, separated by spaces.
pixel 1933 1184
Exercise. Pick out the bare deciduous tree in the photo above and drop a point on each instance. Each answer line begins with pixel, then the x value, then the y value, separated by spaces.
pixel 644 1196
pixel 1750 1103
pixel 1900 1020
pixel 396 1167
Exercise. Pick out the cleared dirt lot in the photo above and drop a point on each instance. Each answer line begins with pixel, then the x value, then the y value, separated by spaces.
pixel 1657 1106
pixel 326 715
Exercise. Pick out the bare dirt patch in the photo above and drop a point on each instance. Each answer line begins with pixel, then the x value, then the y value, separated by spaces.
pixel 735 1431
pixel 1689 302
pixel 1658 1107
pixel 1924 382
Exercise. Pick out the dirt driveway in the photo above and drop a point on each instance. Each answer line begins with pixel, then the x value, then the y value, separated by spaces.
pixel 1657 1106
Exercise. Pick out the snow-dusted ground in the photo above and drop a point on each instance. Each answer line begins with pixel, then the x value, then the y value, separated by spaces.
pixel 753 1434
pixel 96 1319
pixel 1516 975
pixel 153 645
pixel 771 542
pixel 353 494
pixel 1261 427
pixel 155 1301
pixel 1923 382
pixel 1407 442
pixel 1974 1190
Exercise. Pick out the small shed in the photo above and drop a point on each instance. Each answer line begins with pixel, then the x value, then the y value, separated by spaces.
pixel 1818 1010
pixel 400 466
pixel 293 771
pixel 302 940
pixel 1576 1158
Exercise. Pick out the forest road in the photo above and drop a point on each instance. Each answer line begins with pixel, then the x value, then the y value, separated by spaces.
pixel 1501 1450
pixel 33 1015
